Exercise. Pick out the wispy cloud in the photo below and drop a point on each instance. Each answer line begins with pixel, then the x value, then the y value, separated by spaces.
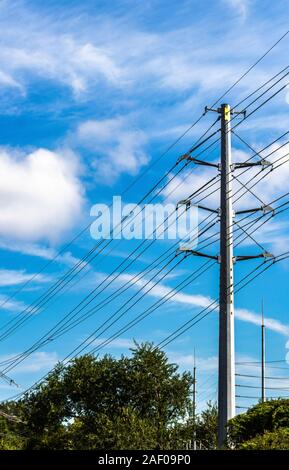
pixel 38 361
pixel 41 251
pixel 118 343
pixel 241 7
pixel 116 146
pixel 88 51
pixel 11 305
pixel 160 291
pixel 256 319
pixel 11 277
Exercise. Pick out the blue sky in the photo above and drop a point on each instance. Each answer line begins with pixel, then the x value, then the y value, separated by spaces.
pixel 90 95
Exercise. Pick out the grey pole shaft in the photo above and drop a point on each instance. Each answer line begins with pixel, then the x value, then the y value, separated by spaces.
pixel 194 406
pixel 226 392
pixel 263 396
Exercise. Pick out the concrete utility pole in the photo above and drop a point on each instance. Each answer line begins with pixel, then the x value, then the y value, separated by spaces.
pixel 226 258
pixel 194 401
pixel 226 395
pixel 263 395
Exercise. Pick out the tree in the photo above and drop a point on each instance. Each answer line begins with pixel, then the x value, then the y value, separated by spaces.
pixel 9 438
pixel 276 440
pixel 258 422
pixel 204 428
pixel 97 403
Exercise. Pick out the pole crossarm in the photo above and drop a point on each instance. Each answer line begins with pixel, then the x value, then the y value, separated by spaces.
pixel 189 158
pixel 265 254
pixel 188 203
pixel 226 257
pixel 195 147
pixel 264 209
pixel 264 163
pixel 196 253
pixel 208 209
pixel 231 111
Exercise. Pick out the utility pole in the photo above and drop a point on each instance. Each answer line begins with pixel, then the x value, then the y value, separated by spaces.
pixel 226 395
pixel 226 259
pixel 263 396
pixel 194 401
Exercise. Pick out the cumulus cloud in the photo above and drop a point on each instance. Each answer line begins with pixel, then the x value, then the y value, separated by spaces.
pixel 41 194
pixel 116 145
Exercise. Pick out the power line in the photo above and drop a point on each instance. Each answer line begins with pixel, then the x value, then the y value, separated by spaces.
pixel 60 285
pixel 259 377
pixel 267 388
pixel 92 310
pixel 251 67
pixel 118 273
pixel 265 101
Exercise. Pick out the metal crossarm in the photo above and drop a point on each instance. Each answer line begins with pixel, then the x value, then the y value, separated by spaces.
pixel 197 253
pixel 188 203
pixel 197 161
pixel 265 254
pixel 265 208
pixel 262 162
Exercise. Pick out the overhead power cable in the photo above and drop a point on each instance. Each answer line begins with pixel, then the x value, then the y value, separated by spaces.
pixel 251 68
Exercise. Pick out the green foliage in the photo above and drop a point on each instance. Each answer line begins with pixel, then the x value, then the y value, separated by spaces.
pixel 276 440
pixel 206 427
pixel 260 421
pixel 105 403
pixel 9 439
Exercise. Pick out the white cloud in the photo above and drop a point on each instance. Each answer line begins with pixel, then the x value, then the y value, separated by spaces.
pixel 11 277
pixel 57 57
pixel 118 343
pixel 194 300
pixel 41 251
pixel 160 291
pixel 239 6
pixel 188 360
pixel 42 196
pixel 117 146
pixel 256 319
pixel 86 51
pixel 37 361
pixel 8 81
pixel 12 305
